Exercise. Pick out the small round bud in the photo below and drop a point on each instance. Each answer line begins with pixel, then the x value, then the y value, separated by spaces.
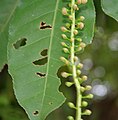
pixel 76 58
pixel 83 45
pixel 84 104
pixel 88 87
pixel 78 72
pixel 64 44
pixel 64 36
pixel 65 50
pixel 87 112
pixel 79 39
pixel 70 118
pixel 72 39
pixel 64 11
pixel 68 25
pixel 84 1
pixel 79 49
pixel 70 17
pixel 65 74
pixel 70 5
pixel 64 60
pixel 75 32
pixel 80 25
pixel 84 78
pixel 75 7
pixel 78 1
pixel 63 29
pixel 90 96
pixel 69 84
pixel 80 65
pixel 82 18
pixel 82 89
pixel 71 105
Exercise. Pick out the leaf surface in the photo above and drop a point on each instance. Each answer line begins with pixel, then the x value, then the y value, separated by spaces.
pixel 7 8
pixel 110 8
pixel 88 11
pixel 33 55
pixel 34 50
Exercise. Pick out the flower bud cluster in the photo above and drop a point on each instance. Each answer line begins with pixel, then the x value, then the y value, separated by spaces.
pixel 70 48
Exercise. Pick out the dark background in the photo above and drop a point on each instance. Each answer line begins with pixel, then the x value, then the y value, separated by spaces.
pixel 100 65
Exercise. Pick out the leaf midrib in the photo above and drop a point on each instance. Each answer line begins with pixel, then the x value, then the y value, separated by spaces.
pixel 49 53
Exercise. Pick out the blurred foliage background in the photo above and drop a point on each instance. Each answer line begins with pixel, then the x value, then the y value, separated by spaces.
pixel 100 61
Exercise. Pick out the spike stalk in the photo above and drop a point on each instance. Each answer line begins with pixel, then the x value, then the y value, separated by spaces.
pixel 74 73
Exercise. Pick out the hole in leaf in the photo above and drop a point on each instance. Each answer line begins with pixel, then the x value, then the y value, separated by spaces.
pixel 50 103
pixel 20 43
pixel 44 52
pixel 36 112
pixel 41 61
pixel 43 25
pixel 41 74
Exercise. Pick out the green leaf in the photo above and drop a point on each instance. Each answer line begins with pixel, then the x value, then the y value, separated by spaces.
pixel 34 50
pixel 88 11
pixel 110 8
pixel 34 72
pixel 7 8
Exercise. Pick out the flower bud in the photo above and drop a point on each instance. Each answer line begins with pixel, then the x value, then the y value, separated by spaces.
pixel 82 89
pixel 75 7
pixel 76 58
pixel 84 104
pixel 80 66
pixel 70 118
pixel 64 44
pixel 71 105
pixel 63 29
pixel 65 50
pixel 83 45
pixel 70 17
pixel 78 2
pixel 78 72
pixel 80 25
pixel 68 25
pixel 75 32
pixel 64 36
pixel 84 78
pixel 79 49
pixel 79 39
pixel 64 60
pixel 64 11
pixel 82 18
pixel 90 96
pixel 84 1
pixel 87 112
pixel 70 5
pixel 69 84
pixel 65 74
pixel 88 87
pixel 72 40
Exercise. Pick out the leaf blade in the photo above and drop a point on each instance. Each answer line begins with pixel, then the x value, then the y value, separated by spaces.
pixel 35 100
pixel 110 8
pixel 7 9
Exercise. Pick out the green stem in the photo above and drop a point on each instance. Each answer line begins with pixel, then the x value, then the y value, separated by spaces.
pixel 77 84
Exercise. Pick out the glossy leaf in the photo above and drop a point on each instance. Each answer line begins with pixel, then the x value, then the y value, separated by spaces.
pixel 7 8
pixel 110 8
